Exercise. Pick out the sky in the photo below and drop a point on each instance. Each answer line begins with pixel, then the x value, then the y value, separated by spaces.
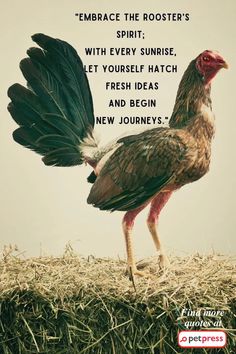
pixel 44 208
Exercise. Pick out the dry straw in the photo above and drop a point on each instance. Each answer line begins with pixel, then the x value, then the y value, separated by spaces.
pixel 75 305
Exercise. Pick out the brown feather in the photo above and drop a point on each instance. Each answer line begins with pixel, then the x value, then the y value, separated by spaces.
pixel 160 158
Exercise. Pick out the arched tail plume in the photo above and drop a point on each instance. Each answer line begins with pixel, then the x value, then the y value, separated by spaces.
pixel 55 111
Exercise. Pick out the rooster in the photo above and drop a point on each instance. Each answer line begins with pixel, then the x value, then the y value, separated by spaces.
pixel 56 120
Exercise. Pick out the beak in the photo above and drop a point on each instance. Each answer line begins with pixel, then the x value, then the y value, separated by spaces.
pixel 225 65
pixel 220 61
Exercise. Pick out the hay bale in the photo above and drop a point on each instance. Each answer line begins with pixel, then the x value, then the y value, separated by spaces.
pixel 75 305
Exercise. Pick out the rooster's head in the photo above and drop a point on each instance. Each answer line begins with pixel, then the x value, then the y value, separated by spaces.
pixel 208 64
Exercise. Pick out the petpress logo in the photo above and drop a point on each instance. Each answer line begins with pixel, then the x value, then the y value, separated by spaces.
pixel 202 339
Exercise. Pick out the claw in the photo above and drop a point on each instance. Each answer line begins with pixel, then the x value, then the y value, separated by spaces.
pixel 132 272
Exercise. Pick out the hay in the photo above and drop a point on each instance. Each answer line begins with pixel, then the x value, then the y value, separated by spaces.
pixel 75 305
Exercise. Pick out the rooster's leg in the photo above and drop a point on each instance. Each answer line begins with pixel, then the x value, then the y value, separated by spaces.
pixel 128 223
pixel 156 206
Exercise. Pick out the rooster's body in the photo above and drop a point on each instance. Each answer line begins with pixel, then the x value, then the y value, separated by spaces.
pixel 56 120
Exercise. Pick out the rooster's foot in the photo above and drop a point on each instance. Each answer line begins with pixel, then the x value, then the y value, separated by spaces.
pixel 133 272
pixel 163 261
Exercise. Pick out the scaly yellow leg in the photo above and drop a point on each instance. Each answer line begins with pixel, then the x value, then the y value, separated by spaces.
pixel 128 223
pixel 156 206
pixel 163 260
pixel 131 266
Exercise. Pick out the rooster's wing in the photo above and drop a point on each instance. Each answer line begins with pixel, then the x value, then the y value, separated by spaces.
pixel 141 167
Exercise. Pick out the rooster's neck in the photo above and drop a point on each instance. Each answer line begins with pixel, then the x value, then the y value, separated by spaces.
pixel 193 104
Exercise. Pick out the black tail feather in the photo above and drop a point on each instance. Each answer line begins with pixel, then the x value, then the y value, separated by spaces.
pixel 55 112
pixel 92 177
pixel 71 69
pixel 64 156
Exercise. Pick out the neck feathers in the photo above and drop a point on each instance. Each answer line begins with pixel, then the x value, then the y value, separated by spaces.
pixel 192 97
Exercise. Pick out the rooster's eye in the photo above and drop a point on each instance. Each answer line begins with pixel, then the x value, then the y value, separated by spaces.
pixel 206 59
